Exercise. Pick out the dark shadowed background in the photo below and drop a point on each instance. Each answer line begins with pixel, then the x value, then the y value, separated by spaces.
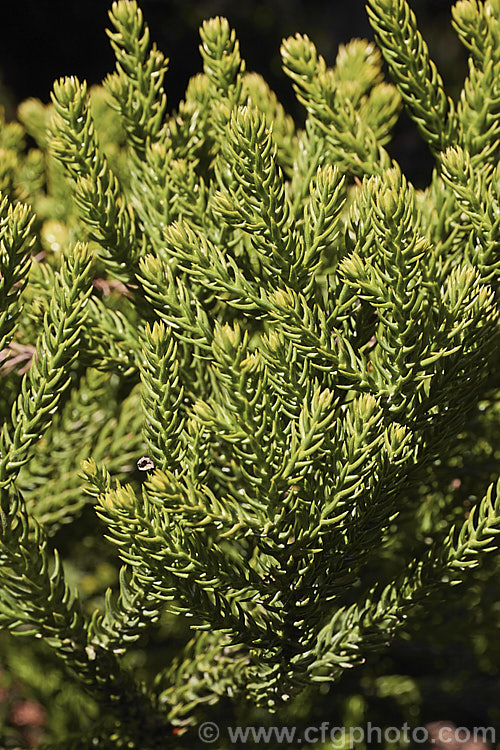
pixel 41 40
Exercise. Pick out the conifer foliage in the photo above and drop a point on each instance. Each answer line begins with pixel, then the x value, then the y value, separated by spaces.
pixel 289 332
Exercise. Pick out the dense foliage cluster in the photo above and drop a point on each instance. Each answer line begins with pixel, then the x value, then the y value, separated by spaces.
pixel 303 346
